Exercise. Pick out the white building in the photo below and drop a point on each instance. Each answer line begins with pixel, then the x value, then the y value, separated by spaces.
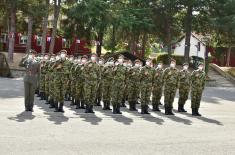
pixel 197 46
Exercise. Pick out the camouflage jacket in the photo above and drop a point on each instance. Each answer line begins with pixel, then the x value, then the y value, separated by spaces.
pixel 184 79
pixel 171 77
pixel 146 75
pixel 198 80
pixel 107 75
pixel 119 73
pixel 91 72
pixel 158 78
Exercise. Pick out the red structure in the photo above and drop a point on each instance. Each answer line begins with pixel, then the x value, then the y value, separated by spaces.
pixel 74 47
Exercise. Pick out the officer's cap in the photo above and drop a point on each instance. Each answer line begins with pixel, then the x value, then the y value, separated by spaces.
pixel 84 57
pixel 185 64
pixel 63 51
pixel 137 60
pixel 31 51
pixel 173 60
pixel 121 56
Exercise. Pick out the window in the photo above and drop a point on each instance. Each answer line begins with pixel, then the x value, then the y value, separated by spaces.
pixel 65 43
pixel 23 39
pixel 3 38
pixel 39 41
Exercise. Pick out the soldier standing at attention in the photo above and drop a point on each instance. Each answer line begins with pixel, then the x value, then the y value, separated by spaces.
pixel 146 85
pixel 197 87
pixel 118 85
pixel 170 79
pixel 133 83
pixel 99 91
pixel 157 87
pixel 184 87
pixel 91 75
pixel 30 80
pixel 107 79
pixel 80 80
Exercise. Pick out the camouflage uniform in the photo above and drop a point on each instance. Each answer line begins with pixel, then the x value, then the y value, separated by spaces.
pixel 170 78
pixel 91 74
pixel 79 94
pixel 59 84
pixel 125 91
pixel 146 87
pixel 99 89
pixel 197 87
pixel 107 79
pixel 118 86
pixel 73 83
pixel 42 79
pixel 184 87
pixel 50 77
pixel 133 83
pixel 67 80
pixel 47 76
pixel 157 88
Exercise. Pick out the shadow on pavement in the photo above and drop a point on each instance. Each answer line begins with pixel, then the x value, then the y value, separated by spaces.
pixel 57 118
pixel 22 117
pixel 202 118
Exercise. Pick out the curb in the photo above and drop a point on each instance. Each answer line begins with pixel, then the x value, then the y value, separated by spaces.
pixel 221 72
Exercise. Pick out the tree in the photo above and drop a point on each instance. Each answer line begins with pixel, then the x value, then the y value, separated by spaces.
pixel 44 26
pixel 223 22
pixel 57 6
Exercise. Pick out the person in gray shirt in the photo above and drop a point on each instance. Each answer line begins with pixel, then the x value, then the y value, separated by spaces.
pixel 30 79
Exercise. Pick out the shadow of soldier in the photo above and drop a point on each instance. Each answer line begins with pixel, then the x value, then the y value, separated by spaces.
pixel 116 117
pixel 147 117
pixel 202 118
pixel 57 118
pixel 90 118
pixel 22 117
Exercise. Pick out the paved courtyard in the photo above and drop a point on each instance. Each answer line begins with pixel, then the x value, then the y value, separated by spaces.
pixel 46 132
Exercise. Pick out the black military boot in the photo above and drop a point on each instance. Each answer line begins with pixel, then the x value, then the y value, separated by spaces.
pixel 132 106
pixel 56 107
pixel 77 102
pixel 142 109
pixel 47 100
pixel 118 109
pixel 72 102
pixel 51 102
pixel 168 111
pixel 181 108
pixel 61 107
pixel 41 95
pixel 156 108
pixel 98 101
pixel 91 109
pixel 108 105
pixel 194 111
pixel 105 105
pixel 146 109
pixel 123 102
pixel 82 104
pixel 198 114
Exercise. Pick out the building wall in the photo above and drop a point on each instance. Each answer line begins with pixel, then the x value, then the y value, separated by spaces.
pixel 179 49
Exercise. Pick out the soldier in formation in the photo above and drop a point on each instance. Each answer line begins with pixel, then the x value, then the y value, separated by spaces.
pixel 85 82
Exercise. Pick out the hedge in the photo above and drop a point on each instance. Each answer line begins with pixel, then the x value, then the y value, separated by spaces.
pixel 164 59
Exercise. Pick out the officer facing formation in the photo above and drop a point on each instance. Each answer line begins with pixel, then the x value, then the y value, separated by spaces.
pixel 88 81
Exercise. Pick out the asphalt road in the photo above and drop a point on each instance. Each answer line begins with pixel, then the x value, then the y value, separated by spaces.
pixel 46 132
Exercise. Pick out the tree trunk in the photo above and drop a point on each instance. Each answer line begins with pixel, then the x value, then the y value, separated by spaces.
pixel 144 41
pixel 188 30
pixel 113 38
pixel 56 16
pixel 30 29
pixel 168 37
pixel 44 27
pixel 99 46
pixel 12 32
pixel 228 56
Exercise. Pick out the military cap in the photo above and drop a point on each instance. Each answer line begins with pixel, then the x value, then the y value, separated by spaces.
pixel 121 56
pixel 137 60
pixel 31 51
pixel 200 63
pixel 185 64
pixel 148 59
pixel 84 56
pixel 173 60
pixel 110 59
pixel 63 51
pixel 101 58
pixel 93 54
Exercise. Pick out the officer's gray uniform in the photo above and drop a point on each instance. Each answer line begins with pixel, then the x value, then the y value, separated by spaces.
pixel 30 82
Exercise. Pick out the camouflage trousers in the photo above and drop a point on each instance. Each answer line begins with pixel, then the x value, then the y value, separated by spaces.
pixel 156 95
pixel 117 92
pixel 99 91
pixel 183 95
pixel 133 93
pixel 125 93
pixel 73 88
pixel 51 90
pixel 106 92
pixel 90 90
pixel 196 96
pixel 42 83
pixel 169 95
pixel 145 93
pixel 79 91
pixel 59 90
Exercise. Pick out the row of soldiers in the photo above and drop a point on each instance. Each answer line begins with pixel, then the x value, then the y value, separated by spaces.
pixel 87 81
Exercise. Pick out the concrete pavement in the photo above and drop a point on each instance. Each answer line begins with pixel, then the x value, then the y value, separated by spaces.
pixel 46 132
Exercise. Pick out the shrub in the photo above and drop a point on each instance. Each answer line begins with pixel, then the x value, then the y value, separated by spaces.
pixel 164 59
